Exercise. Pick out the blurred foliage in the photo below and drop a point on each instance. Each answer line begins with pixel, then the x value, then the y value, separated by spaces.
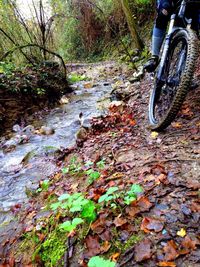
pixel 75 29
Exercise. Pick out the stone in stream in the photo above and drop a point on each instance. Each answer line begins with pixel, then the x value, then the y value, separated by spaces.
pixel 46 130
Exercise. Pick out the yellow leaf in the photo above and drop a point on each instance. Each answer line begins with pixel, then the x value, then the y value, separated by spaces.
pixel 154 135
pixel 181 233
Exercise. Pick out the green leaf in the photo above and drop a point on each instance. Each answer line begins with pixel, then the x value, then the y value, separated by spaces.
pixel 129 199
pixel 69 226
pixel 102 198
pixel 94 175
pixel 64 205
pixel 63 197
pixel 88 211
pixel 100 262
pixel 136 188
pixel 65 170
pixel 111 190
pixel 101 164
pixel 54 206
pixel 45 185
pixel 75 208
pixel 77 221
pixel 88 163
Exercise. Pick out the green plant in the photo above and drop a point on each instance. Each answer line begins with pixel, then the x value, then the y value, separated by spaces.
pixel 101 164
pixel 44 186
pixel 131 195
pixel 76 203
pixel 99 261
pixel 74 78
pixel 73 167
pixel 7 68
pixel 113 193
pixel 93 175
pixel 70 225
pixel 110 195
pixel 40 91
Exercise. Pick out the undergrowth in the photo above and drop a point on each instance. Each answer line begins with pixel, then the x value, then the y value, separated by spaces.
pixel 72 214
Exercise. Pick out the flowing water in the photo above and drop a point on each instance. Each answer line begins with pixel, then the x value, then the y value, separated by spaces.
pixel 15 177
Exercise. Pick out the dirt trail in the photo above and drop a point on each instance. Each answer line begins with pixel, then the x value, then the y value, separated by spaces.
pixel 164 220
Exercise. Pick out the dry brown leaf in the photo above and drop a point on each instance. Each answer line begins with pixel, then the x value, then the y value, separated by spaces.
pixel 195 207
pixel 167 264
pixel 170 250
pixel 132 211
pixel 88 85
pixel 188 243
pixel 115 257
pixel 143 250
pixel 119 221
pixel 93 245
pixel 105 247
pixel 98 226
pixel 144 204
pixel 151 224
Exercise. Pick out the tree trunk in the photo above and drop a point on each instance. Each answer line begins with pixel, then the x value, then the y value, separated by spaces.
pixel 131 24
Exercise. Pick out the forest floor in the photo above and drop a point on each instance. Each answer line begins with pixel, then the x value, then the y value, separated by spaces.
pixel 151 215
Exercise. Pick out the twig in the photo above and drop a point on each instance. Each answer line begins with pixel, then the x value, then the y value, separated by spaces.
pixel 128 258
pixel 66 256
pixel 126 261
pixel 167 160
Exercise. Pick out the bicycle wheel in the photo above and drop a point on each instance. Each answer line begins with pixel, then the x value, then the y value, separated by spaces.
pixel 169 93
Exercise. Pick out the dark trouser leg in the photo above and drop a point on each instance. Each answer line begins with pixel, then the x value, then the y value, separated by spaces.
pixel 159 30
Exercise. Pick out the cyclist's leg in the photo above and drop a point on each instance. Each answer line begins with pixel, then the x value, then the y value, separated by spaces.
pixel 163 15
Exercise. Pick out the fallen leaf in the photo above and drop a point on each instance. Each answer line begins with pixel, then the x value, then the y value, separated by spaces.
pixel 181 233
pixel 105 247
pixel 98 226
pixel 177 125
pixel 132 211
pixel 93 245
pixel 154 135
pixel 132 122
pixel 170 250
pixel 144 204
pixel 106 235
pixel 88 85
pixel 115 257
pixel 195 207
pixel 119 221
pixel 188 243
pixel 143 250
pixel 167 264
pixel 151 224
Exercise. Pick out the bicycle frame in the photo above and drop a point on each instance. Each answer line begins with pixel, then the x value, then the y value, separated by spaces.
pixel 170 33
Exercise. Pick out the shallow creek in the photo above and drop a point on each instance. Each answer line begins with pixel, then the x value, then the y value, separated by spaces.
pixel 16 178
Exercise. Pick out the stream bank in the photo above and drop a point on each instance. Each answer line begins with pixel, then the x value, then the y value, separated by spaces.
pixel 24 92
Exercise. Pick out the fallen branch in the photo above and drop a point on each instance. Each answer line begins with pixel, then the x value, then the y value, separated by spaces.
pixel 66 256
pixel 168 160
pixel 40 47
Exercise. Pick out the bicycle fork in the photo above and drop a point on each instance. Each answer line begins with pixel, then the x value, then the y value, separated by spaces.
pixel 165 49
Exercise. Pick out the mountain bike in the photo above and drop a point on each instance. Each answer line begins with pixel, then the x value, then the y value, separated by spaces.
pixel 175 70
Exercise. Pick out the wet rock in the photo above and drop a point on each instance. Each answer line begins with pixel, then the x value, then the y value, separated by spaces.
pixel 137 76
pixel 64 100
pixel 46 130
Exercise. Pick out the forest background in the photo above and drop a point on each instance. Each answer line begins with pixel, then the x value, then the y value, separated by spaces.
pixel 88 30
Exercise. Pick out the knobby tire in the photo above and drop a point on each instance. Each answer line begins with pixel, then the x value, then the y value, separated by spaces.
pixel 183 87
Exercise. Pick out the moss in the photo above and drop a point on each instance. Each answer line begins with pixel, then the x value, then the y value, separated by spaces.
pixel 53 248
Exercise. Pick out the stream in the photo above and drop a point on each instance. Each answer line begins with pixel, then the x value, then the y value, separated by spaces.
pixel 16 178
